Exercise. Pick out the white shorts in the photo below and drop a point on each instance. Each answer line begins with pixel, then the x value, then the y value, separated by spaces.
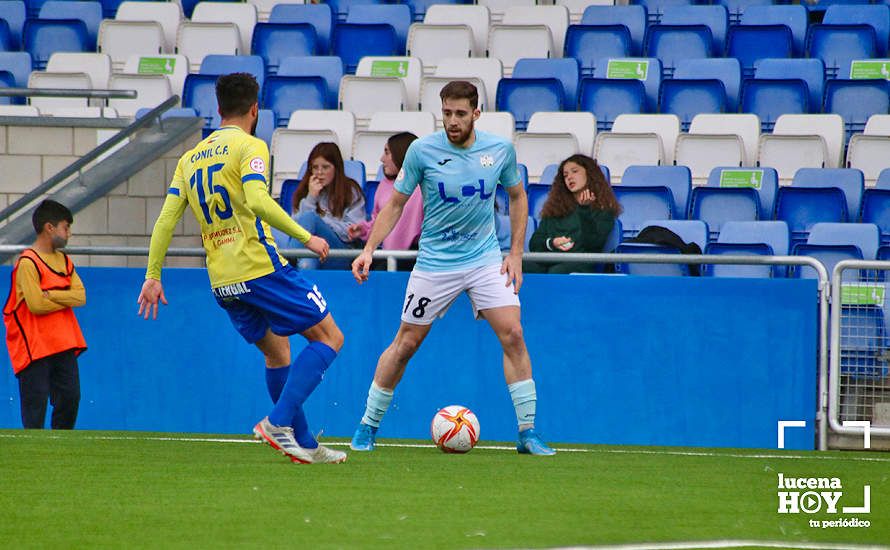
pixel 431 293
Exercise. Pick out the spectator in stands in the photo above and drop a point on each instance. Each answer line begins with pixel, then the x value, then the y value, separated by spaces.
pixel 42 333
pixel 578 215
pixel 406 233
pixel 326 203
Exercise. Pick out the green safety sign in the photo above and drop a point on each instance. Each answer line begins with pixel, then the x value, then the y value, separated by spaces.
pixel 627 68
pixel 741 178
pixel 389 68
pixel 156 65
pixel 871 68
pixel 862 294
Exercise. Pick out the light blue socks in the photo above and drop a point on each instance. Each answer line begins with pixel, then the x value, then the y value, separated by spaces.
pixel 525 400
pixel 378 401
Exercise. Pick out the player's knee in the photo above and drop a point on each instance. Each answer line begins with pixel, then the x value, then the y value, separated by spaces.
pixel 513 337
pixel 406 346
pixel 334 338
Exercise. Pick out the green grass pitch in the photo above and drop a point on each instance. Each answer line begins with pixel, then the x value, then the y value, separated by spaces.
pixel 87 489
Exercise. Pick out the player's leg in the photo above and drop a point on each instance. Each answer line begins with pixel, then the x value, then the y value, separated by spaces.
pixel 64 390
pixel 276 351
pixel 427 296
pixel 33 394
pixel 507 325
pixel 390 369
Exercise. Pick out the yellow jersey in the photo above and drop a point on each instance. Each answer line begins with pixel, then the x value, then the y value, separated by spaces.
pixel 210 177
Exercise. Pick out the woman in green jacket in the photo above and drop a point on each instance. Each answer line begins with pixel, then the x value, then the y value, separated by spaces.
pixel 577 217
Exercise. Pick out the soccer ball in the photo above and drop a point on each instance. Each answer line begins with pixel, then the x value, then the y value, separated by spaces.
pixel 455 429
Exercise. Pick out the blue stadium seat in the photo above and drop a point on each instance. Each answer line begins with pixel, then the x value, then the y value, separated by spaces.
pixel 715 18
pixel 549 174
pixel 751 43
pixel 265 126
pixel 523 173
pixel 811 71
pixel 90 12
pixel 199 93
pixel 856 100
pixel 837 45
pixel 33 8
pixel 687 98
pixel 7 80
pixel 656 8
pixel 689 231
pixel 318 15
pixel 737 7
pixel 646 69
pixel 188 6
pixel 848 180
pixel 369 189
pixel 275 41
pixel 285 94
pixel 14 13
pixel 678 179
pixel 286 198
pixel 876 205
pixel 42 38
pixel 803 207
pixel 832 242
pixel 109 8
pixel 5 36
pixel 719 205
pixel 352 42
pixel 566 70
pixel 863 342
pixel 525 96
pixel 770 98
pixel 877 17
pixel 397 15
pixel 792 16
pixel 632 17
pixel 590 43
pixel 341 7
pixel 763 179
pixel 671 43
pixel 739 238
pixel 537 196
pixel 218 64
pixel 419 7
pixel 614 238
pixel 726 70
pixel 641 203
pixel 330 68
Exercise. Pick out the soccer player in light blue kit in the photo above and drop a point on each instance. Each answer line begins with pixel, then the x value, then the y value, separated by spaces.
pixel 457 170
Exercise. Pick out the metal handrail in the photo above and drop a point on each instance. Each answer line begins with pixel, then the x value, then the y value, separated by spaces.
pixel 66 92
pixel 834 381
pixel 83 161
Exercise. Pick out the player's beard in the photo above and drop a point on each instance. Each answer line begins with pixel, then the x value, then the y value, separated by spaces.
pixel 253 126
pixel 462 137
pixel 58 242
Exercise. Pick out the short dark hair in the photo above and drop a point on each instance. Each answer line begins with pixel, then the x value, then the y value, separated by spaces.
pixel 51 212
pixel 398 147
pixel 460 89
pixel 236 93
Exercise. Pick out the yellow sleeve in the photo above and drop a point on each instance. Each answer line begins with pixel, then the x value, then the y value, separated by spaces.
pixel 27 282
pixel 254 174
pixel 75 296
pixel 174 206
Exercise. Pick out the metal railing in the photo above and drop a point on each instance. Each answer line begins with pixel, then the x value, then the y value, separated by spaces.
pixel 77 166
pixel 65 92
pixel 860 347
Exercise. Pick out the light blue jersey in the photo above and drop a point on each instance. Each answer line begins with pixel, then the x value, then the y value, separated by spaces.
pixel 458 188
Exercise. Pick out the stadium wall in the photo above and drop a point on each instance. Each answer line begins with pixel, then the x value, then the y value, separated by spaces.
pixel 31 154
pixel 617 360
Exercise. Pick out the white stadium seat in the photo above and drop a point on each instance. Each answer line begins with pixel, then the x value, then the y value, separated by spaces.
pixel 198 40
pixel 418 123
pixel 121 39
pixel 746 126
pixel 290 149
pixel 498 7
pixel 477 18
pixel 69 81
pixel 365 95
pixel 264 7
pixel 242 15
pixel 576 7
pixel 620 150
pixel 413 72
pixel 555 17
pixel 342 123
pixel 96 65
pixel 666 126
pixel 537 150
pixel 581 124
pixel 701 153
pixel 430 87
pixel 151 90
pixel 19 110
pixel 488 70
pixel 802 141
pixel 367 147
pixel 500 123
pixel 870 150
pixel 432 43
pixel 509 43
pixel 167 14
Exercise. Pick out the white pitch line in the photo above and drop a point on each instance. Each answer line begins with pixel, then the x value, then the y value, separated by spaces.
pixel 683 545
pixel 813 456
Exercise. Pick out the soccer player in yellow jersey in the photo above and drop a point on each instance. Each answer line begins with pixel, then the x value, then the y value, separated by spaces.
pixel 223 180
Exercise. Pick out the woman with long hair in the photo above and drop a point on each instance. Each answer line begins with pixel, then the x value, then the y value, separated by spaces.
pixel 406 233
pixel 578 215
pixel 326 203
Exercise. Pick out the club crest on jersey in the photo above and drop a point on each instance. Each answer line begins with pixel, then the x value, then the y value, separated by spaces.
pixel 258 165
pixel 401 175
pixel 487 161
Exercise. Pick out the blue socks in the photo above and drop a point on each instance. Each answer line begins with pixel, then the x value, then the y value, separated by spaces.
pixel 378 401
pixel 525 400
pixel 305 375
pixel 275 380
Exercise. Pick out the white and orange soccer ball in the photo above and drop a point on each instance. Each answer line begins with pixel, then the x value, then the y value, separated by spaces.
pixel 455 429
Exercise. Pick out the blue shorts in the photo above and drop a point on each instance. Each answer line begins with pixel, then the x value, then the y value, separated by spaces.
pixel 283 301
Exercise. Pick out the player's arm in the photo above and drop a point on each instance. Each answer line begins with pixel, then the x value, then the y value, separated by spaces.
pixel 518 200
pixel 171 212
pixel 74 296
pixel 28 281
pixel 386 220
